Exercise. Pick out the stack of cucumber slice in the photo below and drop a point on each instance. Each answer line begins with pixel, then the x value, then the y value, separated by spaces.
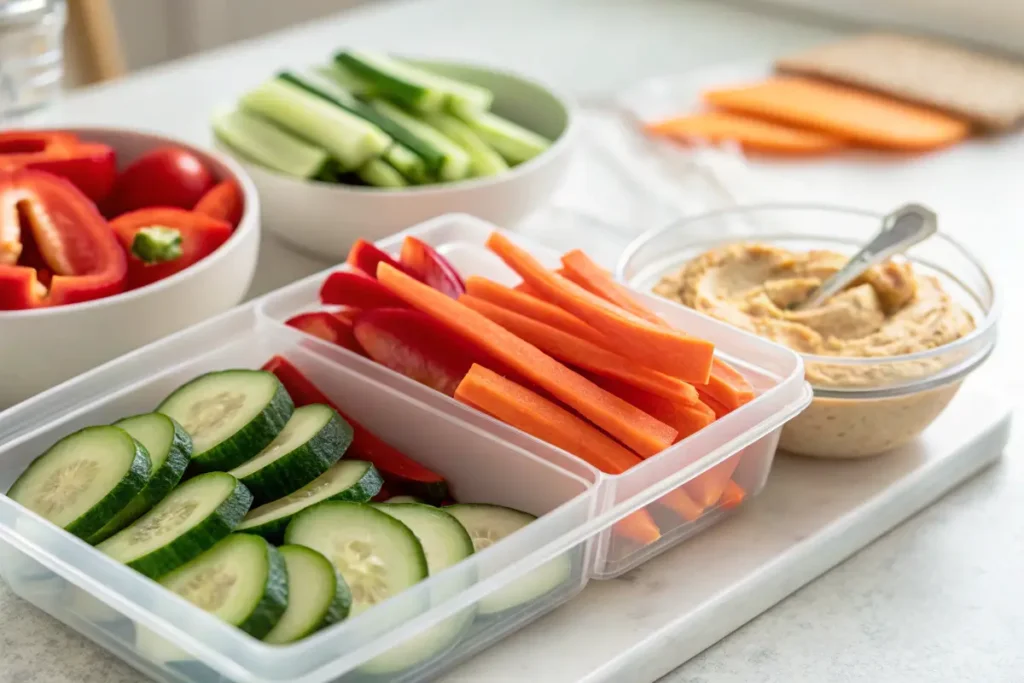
pixel 171 494
pixel 373 119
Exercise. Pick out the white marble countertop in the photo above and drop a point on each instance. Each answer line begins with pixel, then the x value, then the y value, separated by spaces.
pixel 938 599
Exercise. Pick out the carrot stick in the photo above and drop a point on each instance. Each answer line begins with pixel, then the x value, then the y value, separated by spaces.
pixel 661 348
pixel 686 418
pixel 531 307
pixel 637 430
pixel 727 386
pixel 524 288
pixel 709 487
pixel 581 353
pixel 719 409
pixel 587 274
pixel 517 406
pixel 732 496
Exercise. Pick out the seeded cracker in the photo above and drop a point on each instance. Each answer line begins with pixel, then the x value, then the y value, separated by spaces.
pixel 986 90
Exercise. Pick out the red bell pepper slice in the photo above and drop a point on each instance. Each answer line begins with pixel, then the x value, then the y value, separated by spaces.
pixel 417 346
pixel 426 265
pixel 91 167
pixel 224 202
pixel 349 288
pixel 401 473
pixel 329 327
pixel 365 256
pixel 47 224
pixel 200 234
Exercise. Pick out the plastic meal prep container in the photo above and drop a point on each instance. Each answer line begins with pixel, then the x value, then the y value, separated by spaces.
pixel 439 622
pixel 885 401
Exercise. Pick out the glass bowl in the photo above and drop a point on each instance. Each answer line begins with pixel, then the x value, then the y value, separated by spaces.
pixel 862 406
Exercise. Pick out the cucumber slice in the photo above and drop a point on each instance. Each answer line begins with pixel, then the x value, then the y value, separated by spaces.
pixel 344 77
pixel 379 173
pixel 456 159
pixel 330 90
pixel 511 141
pixel 230 415
pixel 347 480
pixel 417 87
pixel 262 142
pixel 349 139
pixel 488 524
pixel 445 542
pixel 84 479
pixel 394 500
pixel 317 596
pixel 412 167
pixel 182 526
pixel 311 441
pixel 483 160
pixel 242 580
pixel 170 448
pixel 378 555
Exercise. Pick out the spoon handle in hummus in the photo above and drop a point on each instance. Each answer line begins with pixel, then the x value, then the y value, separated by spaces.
pixel 901 229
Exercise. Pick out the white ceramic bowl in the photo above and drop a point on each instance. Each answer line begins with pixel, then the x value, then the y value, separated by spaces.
pixel 41 348
pixel 325 218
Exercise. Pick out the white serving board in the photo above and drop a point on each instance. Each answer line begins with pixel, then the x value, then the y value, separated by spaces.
pixel 812 515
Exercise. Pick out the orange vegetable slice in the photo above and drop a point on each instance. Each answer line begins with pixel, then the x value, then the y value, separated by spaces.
pixel 587 274
pixel 531 307
pixel 845 112
pixel 583 354
pixel 656 346
pixel 751 133
pixel 637 430
pixel 521 408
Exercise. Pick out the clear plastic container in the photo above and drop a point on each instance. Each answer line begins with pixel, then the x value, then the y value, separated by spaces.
pixel 746 438
pixel 433 626
pixel 863 406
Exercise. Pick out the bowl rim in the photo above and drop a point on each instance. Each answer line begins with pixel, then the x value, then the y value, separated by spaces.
pixel 984 330
pixel 558 145
pixel 249 222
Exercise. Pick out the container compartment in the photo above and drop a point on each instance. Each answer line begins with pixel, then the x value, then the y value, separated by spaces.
pixel 746 437
pixel 418 633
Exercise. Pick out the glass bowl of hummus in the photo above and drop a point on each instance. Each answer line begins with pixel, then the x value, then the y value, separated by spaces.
pixel 885 356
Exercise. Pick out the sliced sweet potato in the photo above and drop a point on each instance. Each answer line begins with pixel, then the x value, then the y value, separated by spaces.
pixel 751 133
pixel 867 118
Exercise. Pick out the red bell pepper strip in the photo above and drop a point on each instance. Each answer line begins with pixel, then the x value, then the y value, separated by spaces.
pixel 200 237
pixel 417 346
pixel 401 473
pixel 91 167
pixel 224 202
pixel 349 288
pixel 329 327
pixel 422 262
pixel 365 256
pixel 56 228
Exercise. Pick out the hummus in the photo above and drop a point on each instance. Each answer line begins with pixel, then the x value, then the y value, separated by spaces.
pixel 890 311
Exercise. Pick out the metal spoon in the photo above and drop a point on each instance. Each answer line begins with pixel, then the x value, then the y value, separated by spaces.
pixel 901 229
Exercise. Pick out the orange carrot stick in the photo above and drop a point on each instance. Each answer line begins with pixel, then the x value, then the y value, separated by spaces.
pixel 719 409
pixel 686 418
pixel 581 353
pixel 531 307
pixel 587 274
pixel 727 386
pixel 517 406
pixel 732 496
pixel 637 430
pixel 661 348
pixel 708 488
pixel 524 288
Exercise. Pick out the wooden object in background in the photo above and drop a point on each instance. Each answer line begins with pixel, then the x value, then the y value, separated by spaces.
pixel 93 51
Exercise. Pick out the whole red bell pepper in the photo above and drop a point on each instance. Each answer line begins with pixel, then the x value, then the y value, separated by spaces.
pixel 90 166
pixel 50 229
pixel 178 239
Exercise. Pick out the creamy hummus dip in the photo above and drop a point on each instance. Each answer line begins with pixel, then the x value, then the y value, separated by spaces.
pixel 890 311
